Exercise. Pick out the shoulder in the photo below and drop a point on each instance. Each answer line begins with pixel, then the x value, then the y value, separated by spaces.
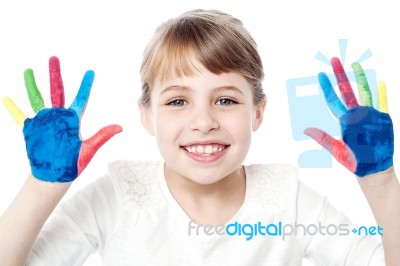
pixel 273 176
pixel 136 182
pixel 134 170
pixel 273 170
pixel 272 185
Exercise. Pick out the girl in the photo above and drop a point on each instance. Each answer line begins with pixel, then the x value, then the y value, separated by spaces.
pixel 202 99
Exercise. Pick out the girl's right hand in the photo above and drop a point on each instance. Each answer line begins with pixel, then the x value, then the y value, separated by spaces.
pixel 54 147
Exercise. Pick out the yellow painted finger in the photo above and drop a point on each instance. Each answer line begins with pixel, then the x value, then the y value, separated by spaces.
pixel 382 97
pixel 15 112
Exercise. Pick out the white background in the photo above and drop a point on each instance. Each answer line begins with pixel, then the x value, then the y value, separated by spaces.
pixel 109 37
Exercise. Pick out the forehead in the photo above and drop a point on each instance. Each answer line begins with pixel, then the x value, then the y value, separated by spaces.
pixel 175 60
pixel 175 65
pixel 203 81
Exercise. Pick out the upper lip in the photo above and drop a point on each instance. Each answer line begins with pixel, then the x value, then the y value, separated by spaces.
pixel 205 142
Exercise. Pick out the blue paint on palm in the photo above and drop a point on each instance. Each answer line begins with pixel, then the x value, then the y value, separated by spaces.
pixel 369 134
pixel 53 144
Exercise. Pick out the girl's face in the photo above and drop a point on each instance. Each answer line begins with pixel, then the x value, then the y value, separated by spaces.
pixel 203 123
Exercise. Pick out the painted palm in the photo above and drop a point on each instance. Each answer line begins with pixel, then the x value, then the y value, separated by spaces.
pixel 55 150
pixel 367 143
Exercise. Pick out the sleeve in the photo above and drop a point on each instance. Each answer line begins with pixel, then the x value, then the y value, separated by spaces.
pixel 78 227
pixel 335 243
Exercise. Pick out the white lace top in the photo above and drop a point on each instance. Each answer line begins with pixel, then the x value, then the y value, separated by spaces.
pixel 131 218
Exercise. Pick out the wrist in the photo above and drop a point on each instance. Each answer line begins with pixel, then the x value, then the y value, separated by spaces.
pixel 379 179
pixel 46 190
pixel 379 186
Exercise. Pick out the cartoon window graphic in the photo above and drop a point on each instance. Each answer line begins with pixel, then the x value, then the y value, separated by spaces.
pixel 308 108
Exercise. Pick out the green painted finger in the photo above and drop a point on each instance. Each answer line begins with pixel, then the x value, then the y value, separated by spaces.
pixel 362 84
pixel 34 95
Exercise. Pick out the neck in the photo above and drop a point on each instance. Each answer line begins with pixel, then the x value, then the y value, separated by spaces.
pixel 225 186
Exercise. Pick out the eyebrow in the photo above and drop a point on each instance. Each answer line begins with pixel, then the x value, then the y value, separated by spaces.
pixel 185 89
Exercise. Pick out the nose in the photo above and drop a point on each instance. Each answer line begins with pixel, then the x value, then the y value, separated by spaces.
pixel 203 119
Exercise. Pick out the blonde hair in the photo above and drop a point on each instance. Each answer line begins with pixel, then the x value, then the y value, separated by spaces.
pixel 215 39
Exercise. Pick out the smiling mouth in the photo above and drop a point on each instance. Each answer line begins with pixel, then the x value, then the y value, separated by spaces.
pixel 205 149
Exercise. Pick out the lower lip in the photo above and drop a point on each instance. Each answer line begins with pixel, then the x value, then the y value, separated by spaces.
pixel 206 158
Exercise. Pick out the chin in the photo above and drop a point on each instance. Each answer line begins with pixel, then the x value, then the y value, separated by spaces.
pixel 205 176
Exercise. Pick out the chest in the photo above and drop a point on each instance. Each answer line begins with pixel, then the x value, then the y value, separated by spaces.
pixel 144 239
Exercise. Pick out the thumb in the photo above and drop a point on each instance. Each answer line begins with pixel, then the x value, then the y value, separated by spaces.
pixel 92 145
pixel 337 148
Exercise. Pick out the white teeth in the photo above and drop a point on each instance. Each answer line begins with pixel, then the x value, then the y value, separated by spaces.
pixel 205 149
pixel 200 149
pixel 208 149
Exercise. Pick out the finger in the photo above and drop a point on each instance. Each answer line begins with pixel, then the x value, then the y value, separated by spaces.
pixel 382 97
pixel 34 95
pixel 334 103
pixel 337 148
pixel 344 85
pixel 82 97
pixel 56 83
pixel 92 145
pixel 15 112
pixel 362 84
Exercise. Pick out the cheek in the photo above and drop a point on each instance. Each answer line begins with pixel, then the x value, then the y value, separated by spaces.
pixel 167 127
pixel 240 126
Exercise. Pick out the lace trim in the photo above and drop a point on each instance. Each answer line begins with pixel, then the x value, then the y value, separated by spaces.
pixel 138 183
pixel 275 185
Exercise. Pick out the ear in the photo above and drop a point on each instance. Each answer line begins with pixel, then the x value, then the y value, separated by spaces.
pixel 146 118
pixel 260 108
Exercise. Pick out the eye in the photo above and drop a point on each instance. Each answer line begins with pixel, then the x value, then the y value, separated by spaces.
pixel 226 101
pixel 177 102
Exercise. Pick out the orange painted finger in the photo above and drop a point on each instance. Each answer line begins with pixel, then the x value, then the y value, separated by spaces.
pixel 337 148
pixel 92 145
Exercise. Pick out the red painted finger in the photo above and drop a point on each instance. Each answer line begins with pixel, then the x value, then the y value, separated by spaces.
pixel 56 83
pixel 92 145
pixel 344 85
pixel 337 148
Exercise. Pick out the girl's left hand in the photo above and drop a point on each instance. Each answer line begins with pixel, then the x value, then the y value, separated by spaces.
pixel 367 143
